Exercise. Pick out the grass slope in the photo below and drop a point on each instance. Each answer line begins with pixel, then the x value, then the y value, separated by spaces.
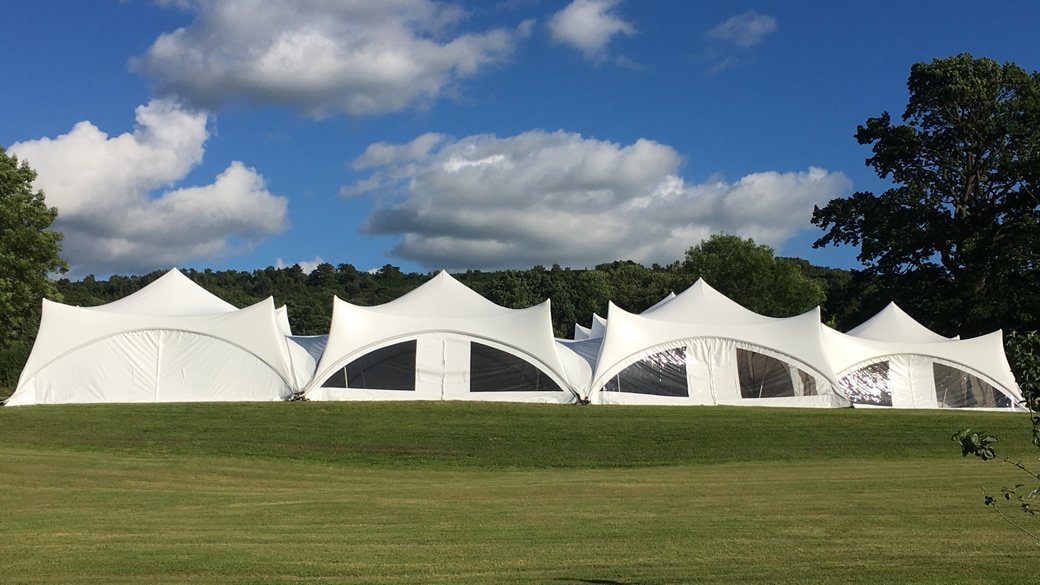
pixel 497 493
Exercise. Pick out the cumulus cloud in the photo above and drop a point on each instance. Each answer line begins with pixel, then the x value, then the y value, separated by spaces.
pixel 307 266
pixel 104 188
pixel 744 30
pixel 558 197
pixel 362 58
pixel 589 26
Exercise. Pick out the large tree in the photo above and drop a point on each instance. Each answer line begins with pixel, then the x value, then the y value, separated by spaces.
pixel 751 275
pixel 29 250
pixel 957 236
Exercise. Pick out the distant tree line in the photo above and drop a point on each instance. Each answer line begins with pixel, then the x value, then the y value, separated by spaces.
pixel 747 272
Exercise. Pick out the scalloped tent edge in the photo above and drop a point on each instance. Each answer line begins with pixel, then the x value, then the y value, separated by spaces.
pixel 445 318
pixel 171 341
pixel 893 324
pixel 708 329
pixel 911 381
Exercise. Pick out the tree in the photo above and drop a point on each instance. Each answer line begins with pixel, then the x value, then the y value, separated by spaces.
pixel 29 251
pixel 751 275
pixel 958 233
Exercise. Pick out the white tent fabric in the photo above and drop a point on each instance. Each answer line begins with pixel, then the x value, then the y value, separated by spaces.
pixel 599 324
pixel 171 341
pixel 304 354
pixel 442 341
pixel 893 361
pixel 893 324
pixel 703 348
pixel 581 333
pixel 667 299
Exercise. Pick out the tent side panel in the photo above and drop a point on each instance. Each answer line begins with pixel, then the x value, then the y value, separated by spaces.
pixel 922 381
pixel 429 367
pixel 456 367
pixel 121 368
pixel 197 368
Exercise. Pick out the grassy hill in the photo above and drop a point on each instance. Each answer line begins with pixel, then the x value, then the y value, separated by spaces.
pixel 498 493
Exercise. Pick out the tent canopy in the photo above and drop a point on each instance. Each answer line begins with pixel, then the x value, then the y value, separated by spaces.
pixel 170 341
pixel 440 331
pixel 894 324
pixel 892 360
pixel 709 339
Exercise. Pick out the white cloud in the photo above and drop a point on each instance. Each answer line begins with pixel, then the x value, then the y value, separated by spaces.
pixel 358 57
pixel 589 26
pixel 307 266
pixel 558 197
pixel 745 30
pixel 113 222
pixel 382 153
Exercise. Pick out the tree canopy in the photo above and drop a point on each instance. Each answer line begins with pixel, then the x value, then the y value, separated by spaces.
pixel 957 236
pixel 29 250
pixel 751 275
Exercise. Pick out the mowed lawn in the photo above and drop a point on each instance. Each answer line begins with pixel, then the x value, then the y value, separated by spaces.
pixel 498 493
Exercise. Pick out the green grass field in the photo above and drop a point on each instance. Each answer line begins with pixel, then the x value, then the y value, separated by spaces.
pixel 497 493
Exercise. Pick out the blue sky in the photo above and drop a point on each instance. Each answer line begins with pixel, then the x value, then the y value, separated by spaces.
pixel 242 134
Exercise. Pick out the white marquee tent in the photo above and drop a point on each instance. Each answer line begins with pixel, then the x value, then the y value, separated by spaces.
pixel 443 341
pixel 599 324
pixel 171 341
pixel 892 360
pixel 703 348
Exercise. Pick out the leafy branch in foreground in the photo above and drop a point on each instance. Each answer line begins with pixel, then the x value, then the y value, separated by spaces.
pixel 981 445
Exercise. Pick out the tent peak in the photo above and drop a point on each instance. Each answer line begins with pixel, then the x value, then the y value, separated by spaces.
pixel 892 323
pixel 702 303
pixel 171 295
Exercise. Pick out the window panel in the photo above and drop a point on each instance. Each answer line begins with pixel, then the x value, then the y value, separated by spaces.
pixel 387 368
pixel 494 370
pixel 660 374
pixel 955 388
pixel 868 385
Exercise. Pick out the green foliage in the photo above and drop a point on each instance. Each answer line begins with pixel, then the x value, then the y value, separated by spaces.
pixel 958 235
pixel 751 275
pixel 977 444
pixel 1023 351
pixel 29 251
pixel 981 445
pixel 12 358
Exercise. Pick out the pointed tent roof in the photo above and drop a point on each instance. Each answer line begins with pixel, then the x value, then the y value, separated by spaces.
pixel 983 355
pixel 599 327
pixel 599 324
pixel 171 295
pixel 581 333
pixel 442 297
pixel 441 304
pixel 894 324
pixel 66 330
pixel 701 304
pixel 702 311
pixel 667 299
pixel 629 334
